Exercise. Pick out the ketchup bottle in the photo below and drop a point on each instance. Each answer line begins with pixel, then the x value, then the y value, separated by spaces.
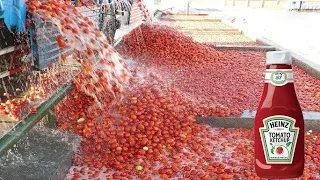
pixel 279 124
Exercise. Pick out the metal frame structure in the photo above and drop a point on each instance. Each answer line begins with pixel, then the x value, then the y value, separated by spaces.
pixel 46 109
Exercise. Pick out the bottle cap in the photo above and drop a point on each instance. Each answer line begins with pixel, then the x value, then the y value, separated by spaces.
pixel 279 57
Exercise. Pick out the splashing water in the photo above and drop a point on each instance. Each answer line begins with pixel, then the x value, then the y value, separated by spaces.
pixel 90 48
pixel 103 69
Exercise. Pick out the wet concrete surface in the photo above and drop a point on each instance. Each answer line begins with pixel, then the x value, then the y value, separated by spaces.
pixel 42 154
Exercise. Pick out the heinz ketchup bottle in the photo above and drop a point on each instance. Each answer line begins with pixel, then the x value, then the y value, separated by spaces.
pixel 279 124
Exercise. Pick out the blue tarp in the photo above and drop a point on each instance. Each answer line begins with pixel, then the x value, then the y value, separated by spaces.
pixel 14 14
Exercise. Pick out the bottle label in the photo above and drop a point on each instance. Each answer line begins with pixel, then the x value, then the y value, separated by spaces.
pixel 279 137
pixel 279 77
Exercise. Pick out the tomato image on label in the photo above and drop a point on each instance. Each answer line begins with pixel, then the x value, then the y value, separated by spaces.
pixel 279 150
pixel 279 137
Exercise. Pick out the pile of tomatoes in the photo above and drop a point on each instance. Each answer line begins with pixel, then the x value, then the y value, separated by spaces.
pixel 229 78
pixel 151 132
pixel 164 45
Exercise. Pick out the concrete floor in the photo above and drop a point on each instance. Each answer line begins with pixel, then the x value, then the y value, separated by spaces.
pixel 42 154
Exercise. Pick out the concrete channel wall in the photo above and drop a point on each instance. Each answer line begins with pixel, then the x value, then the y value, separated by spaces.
pixel 246 120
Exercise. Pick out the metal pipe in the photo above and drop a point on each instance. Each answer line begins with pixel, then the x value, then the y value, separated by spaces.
pixel 244 48
pixel 188 7
pixel 16 133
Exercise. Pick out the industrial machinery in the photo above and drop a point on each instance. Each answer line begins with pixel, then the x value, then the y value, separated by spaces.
pixel 14 47
pixel 23 49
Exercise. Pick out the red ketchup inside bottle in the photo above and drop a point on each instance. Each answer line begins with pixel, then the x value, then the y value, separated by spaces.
pixel 279 124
